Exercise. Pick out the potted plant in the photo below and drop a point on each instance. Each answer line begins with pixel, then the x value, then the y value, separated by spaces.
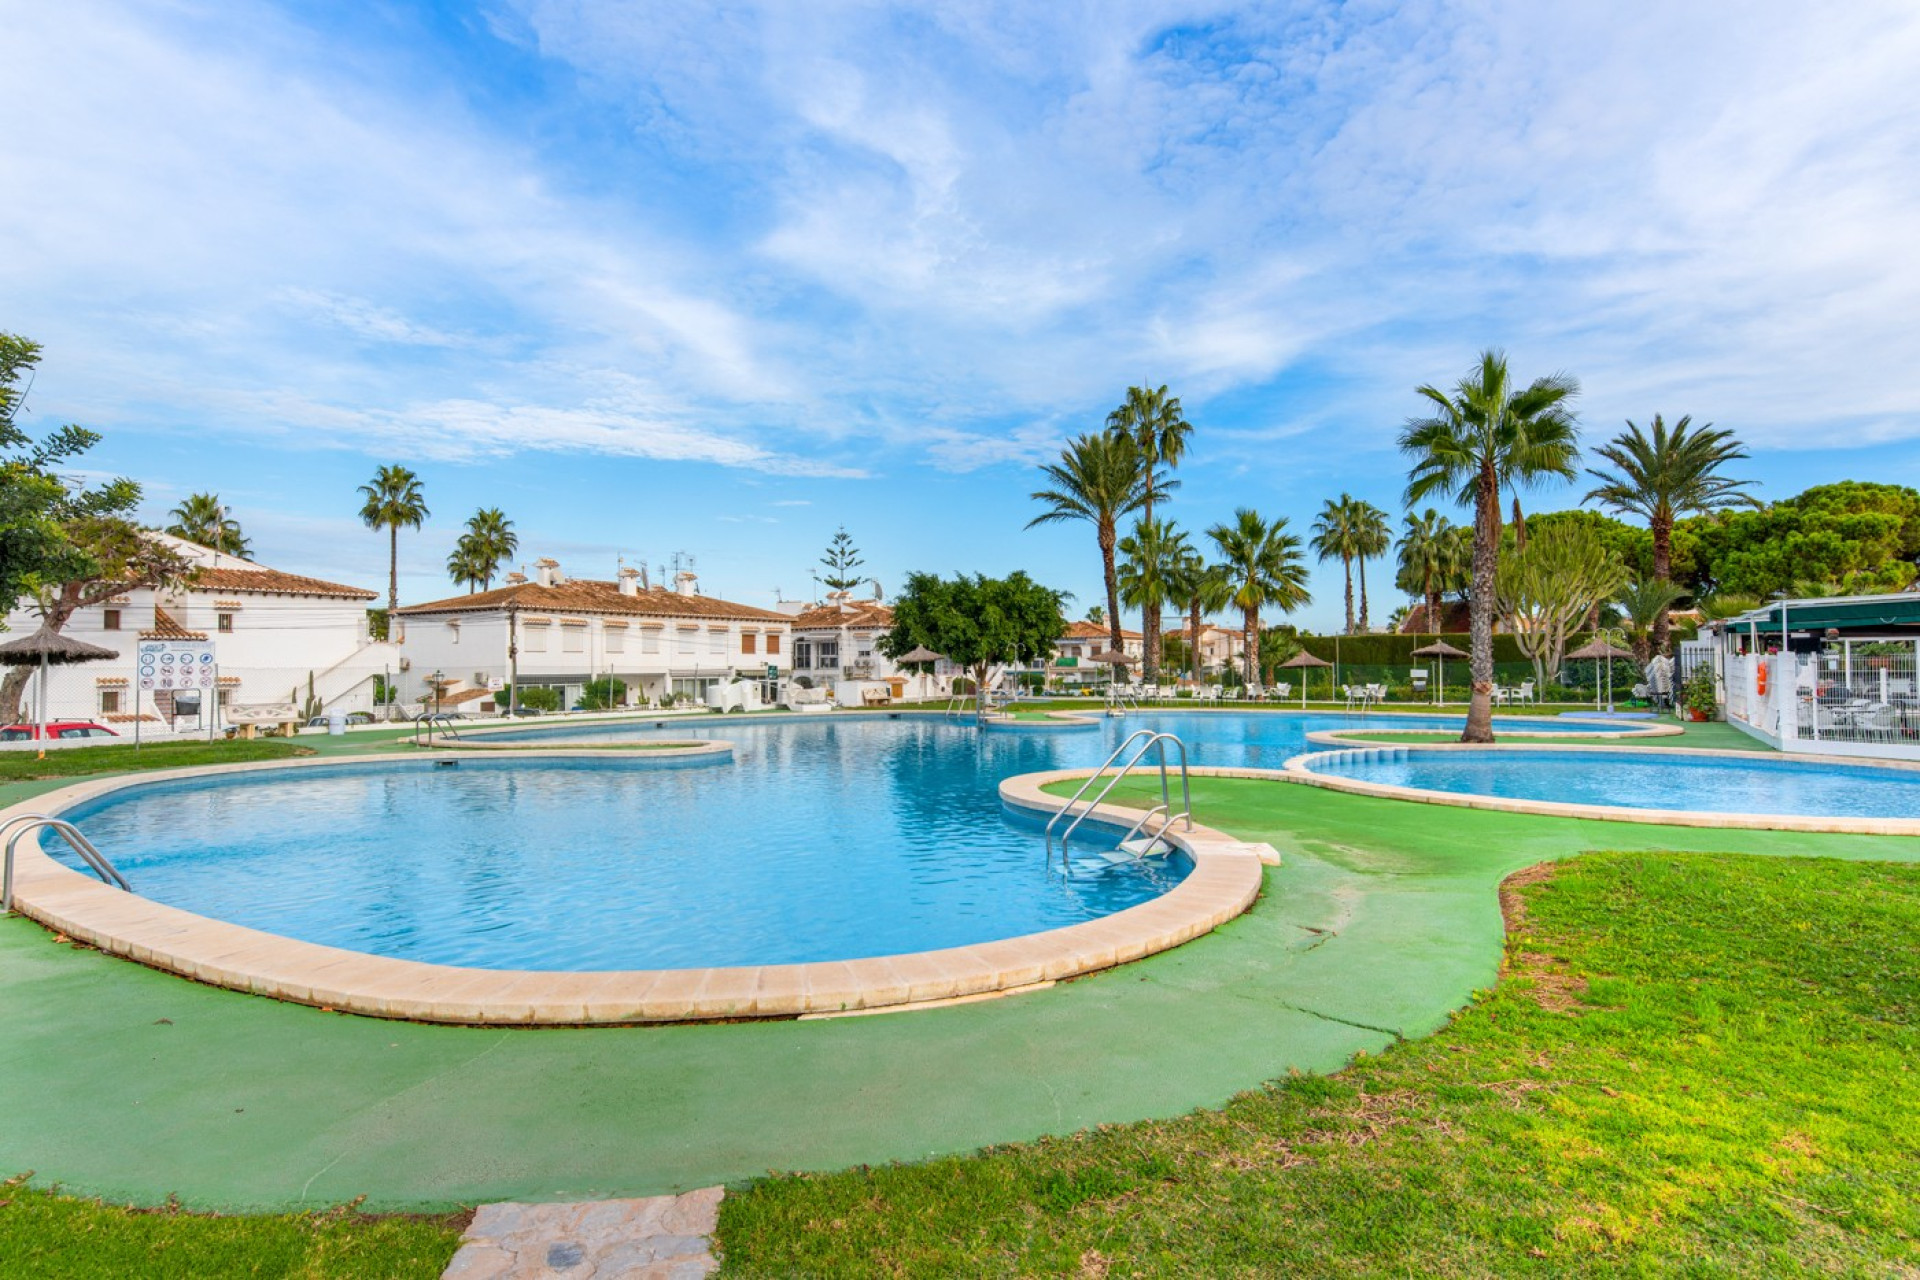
pixel 1697 696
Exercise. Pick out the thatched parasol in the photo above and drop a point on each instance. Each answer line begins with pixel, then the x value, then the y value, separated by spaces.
pixel 45 648
pixel 1302 661
pixel 1600 649
pixel 1442 650
pixel 918 654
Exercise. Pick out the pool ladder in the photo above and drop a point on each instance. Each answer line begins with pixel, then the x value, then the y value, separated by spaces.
pixel 1076 812
pixel 17 827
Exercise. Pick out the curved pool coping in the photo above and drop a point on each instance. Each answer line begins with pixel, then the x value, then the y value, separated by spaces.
pixel 1225 879
pixel 1340 738
pixel 1300 769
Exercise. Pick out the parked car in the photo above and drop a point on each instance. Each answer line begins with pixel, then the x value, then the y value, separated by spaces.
pixel 56 729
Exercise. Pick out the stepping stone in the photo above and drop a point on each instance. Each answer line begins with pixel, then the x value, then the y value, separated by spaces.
pixel 656 1238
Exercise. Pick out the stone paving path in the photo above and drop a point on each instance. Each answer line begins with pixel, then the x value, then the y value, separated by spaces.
pixel 657 1238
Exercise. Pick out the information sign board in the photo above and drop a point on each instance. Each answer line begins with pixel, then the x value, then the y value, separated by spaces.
pixel 176 664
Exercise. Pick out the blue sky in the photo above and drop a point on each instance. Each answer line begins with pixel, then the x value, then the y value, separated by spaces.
pixel 720 277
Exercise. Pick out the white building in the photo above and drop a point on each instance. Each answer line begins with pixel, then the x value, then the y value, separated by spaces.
pixel 833 645
pixel 559 632
pixel 1074 650
pixel 277 638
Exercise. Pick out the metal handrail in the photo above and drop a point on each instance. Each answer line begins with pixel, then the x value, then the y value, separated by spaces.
pixel 82 846
pixel 1153 739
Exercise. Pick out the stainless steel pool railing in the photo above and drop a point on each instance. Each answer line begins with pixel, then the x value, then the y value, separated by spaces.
pixel 18 827
pixel 1075 812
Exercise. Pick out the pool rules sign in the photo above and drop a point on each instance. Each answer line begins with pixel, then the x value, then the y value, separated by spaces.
pixel 176 664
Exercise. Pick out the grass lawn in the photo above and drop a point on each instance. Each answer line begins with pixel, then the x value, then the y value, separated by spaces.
pixel 43 1234
pixel 1702 1064
pixel 74 762
pixel 1719 737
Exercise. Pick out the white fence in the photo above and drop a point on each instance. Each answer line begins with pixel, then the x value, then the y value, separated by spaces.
pixel 1852 698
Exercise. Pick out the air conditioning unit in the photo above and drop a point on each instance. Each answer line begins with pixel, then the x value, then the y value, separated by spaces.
pixel 479 680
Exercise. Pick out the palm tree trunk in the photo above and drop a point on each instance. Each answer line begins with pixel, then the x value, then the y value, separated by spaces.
pixel 1150 610
pixel 1662 528
pixel 1363 595
pixel 393 574
pixel 1433 605
pixel 1113 588
pixel 1346 565
pixel 1193 638
pixel 1250 638
pixel 1486 547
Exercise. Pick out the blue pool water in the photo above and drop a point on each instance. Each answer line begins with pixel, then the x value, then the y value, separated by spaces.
pixel 1655 780
pixel 827 839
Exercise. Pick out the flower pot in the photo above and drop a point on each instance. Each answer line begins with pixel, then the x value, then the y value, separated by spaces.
pixel 1698 717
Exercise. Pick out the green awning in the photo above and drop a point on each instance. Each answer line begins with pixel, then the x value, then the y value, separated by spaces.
pixel 1843 615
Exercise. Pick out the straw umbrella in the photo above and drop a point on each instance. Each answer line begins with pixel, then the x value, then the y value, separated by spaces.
pixel 1442 650
pixel 1300 662
pixel 919 654
pixel 1115 659
pixel 44 648
pixel 1599 650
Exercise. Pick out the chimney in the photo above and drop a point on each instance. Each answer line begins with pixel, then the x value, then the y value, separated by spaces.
pixel 546 572
pixel 686 583
pixel 629 582
pixel 516 579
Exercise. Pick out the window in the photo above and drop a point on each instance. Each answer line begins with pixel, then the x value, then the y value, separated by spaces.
pixel 650 640
pixel 829 654
pixel 802 650
pixel 110 620
pixel 717 640
pixel 536 637
pixel 773 642
pixel 573 637
pixel 684 641
pixel 224 622
pixel 453 633
pixel 616 639
pixel 748 642
pixel 109 702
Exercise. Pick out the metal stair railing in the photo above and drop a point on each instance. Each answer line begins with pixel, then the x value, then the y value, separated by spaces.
pixel 1148 739
pixel 21 824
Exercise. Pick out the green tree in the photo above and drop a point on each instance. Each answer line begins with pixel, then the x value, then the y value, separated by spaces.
pixel 1159 429
pixel 1372 537
pixel 1151 556
pixel 603 693
pixel 841 562
pixel 392 501
pixel 468 564
pixel 1335 537
pixel 1564 573
pixel 1860 536
pixel 1263 565
pixel 1480 436
pixel 976 621
pixel 1099 479
pixel 202 519
pixel 1661 475
pixel 1641 604
pixel 1199 588
pixel 1429 559
pixel 491 544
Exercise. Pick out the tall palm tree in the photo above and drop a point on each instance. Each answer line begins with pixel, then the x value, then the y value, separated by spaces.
pixel 1661 475
pixel 1263 565
pixel 1483 434
pixel 1147 573
pixel 1158 427
pixel 493 541
pixel 201 518
pixel 392 502
pixel 1642 604
pixel 469 564
pixel 1429 559
pixel 1099 479
pixel 1372 536
pixel 1200 588
pixel 1335 538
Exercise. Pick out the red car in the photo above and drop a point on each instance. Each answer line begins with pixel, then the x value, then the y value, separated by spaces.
pixel 56 729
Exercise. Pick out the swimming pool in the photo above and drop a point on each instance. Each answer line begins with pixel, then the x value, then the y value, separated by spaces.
pixel 829 838
pixel 1727 784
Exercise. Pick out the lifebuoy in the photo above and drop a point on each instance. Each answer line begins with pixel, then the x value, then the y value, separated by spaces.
pixel 1763 675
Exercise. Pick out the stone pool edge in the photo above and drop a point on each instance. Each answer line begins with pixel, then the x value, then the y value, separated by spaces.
pixel 1225 880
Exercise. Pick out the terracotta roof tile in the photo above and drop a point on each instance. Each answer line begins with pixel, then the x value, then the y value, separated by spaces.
pixel 273 580
pixel 864 614
pixel 1095 631
pixel 165 628
pixel 582 595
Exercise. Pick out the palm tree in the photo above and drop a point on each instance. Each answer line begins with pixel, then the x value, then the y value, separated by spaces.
pixel 1200 588
pixel 1643 603
pixel 1483 435
pixel 1429 559
pixel 1372 537
pixel 1147 575
pixel 1334 537
pixel 493 541
pixel 1099 479
pixel 202 519
pixel 1262 564
pixel 1662 475
pixel 393 501
pixel 469 564
pixel 1158 427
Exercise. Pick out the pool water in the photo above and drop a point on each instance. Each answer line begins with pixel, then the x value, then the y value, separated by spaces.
pixel 827 839
pixel 1650 780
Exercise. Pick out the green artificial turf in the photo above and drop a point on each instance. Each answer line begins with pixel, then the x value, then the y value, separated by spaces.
pixel 75 762
pixel 1698 1064
pixel 1719 737
pixel 44 1234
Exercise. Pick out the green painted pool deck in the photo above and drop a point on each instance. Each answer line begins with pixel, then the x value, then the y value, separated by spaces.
pixel 135 1085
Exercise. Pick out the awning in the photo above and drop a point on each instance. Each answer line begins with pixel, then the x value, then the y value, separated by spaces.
pixel 1851 614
